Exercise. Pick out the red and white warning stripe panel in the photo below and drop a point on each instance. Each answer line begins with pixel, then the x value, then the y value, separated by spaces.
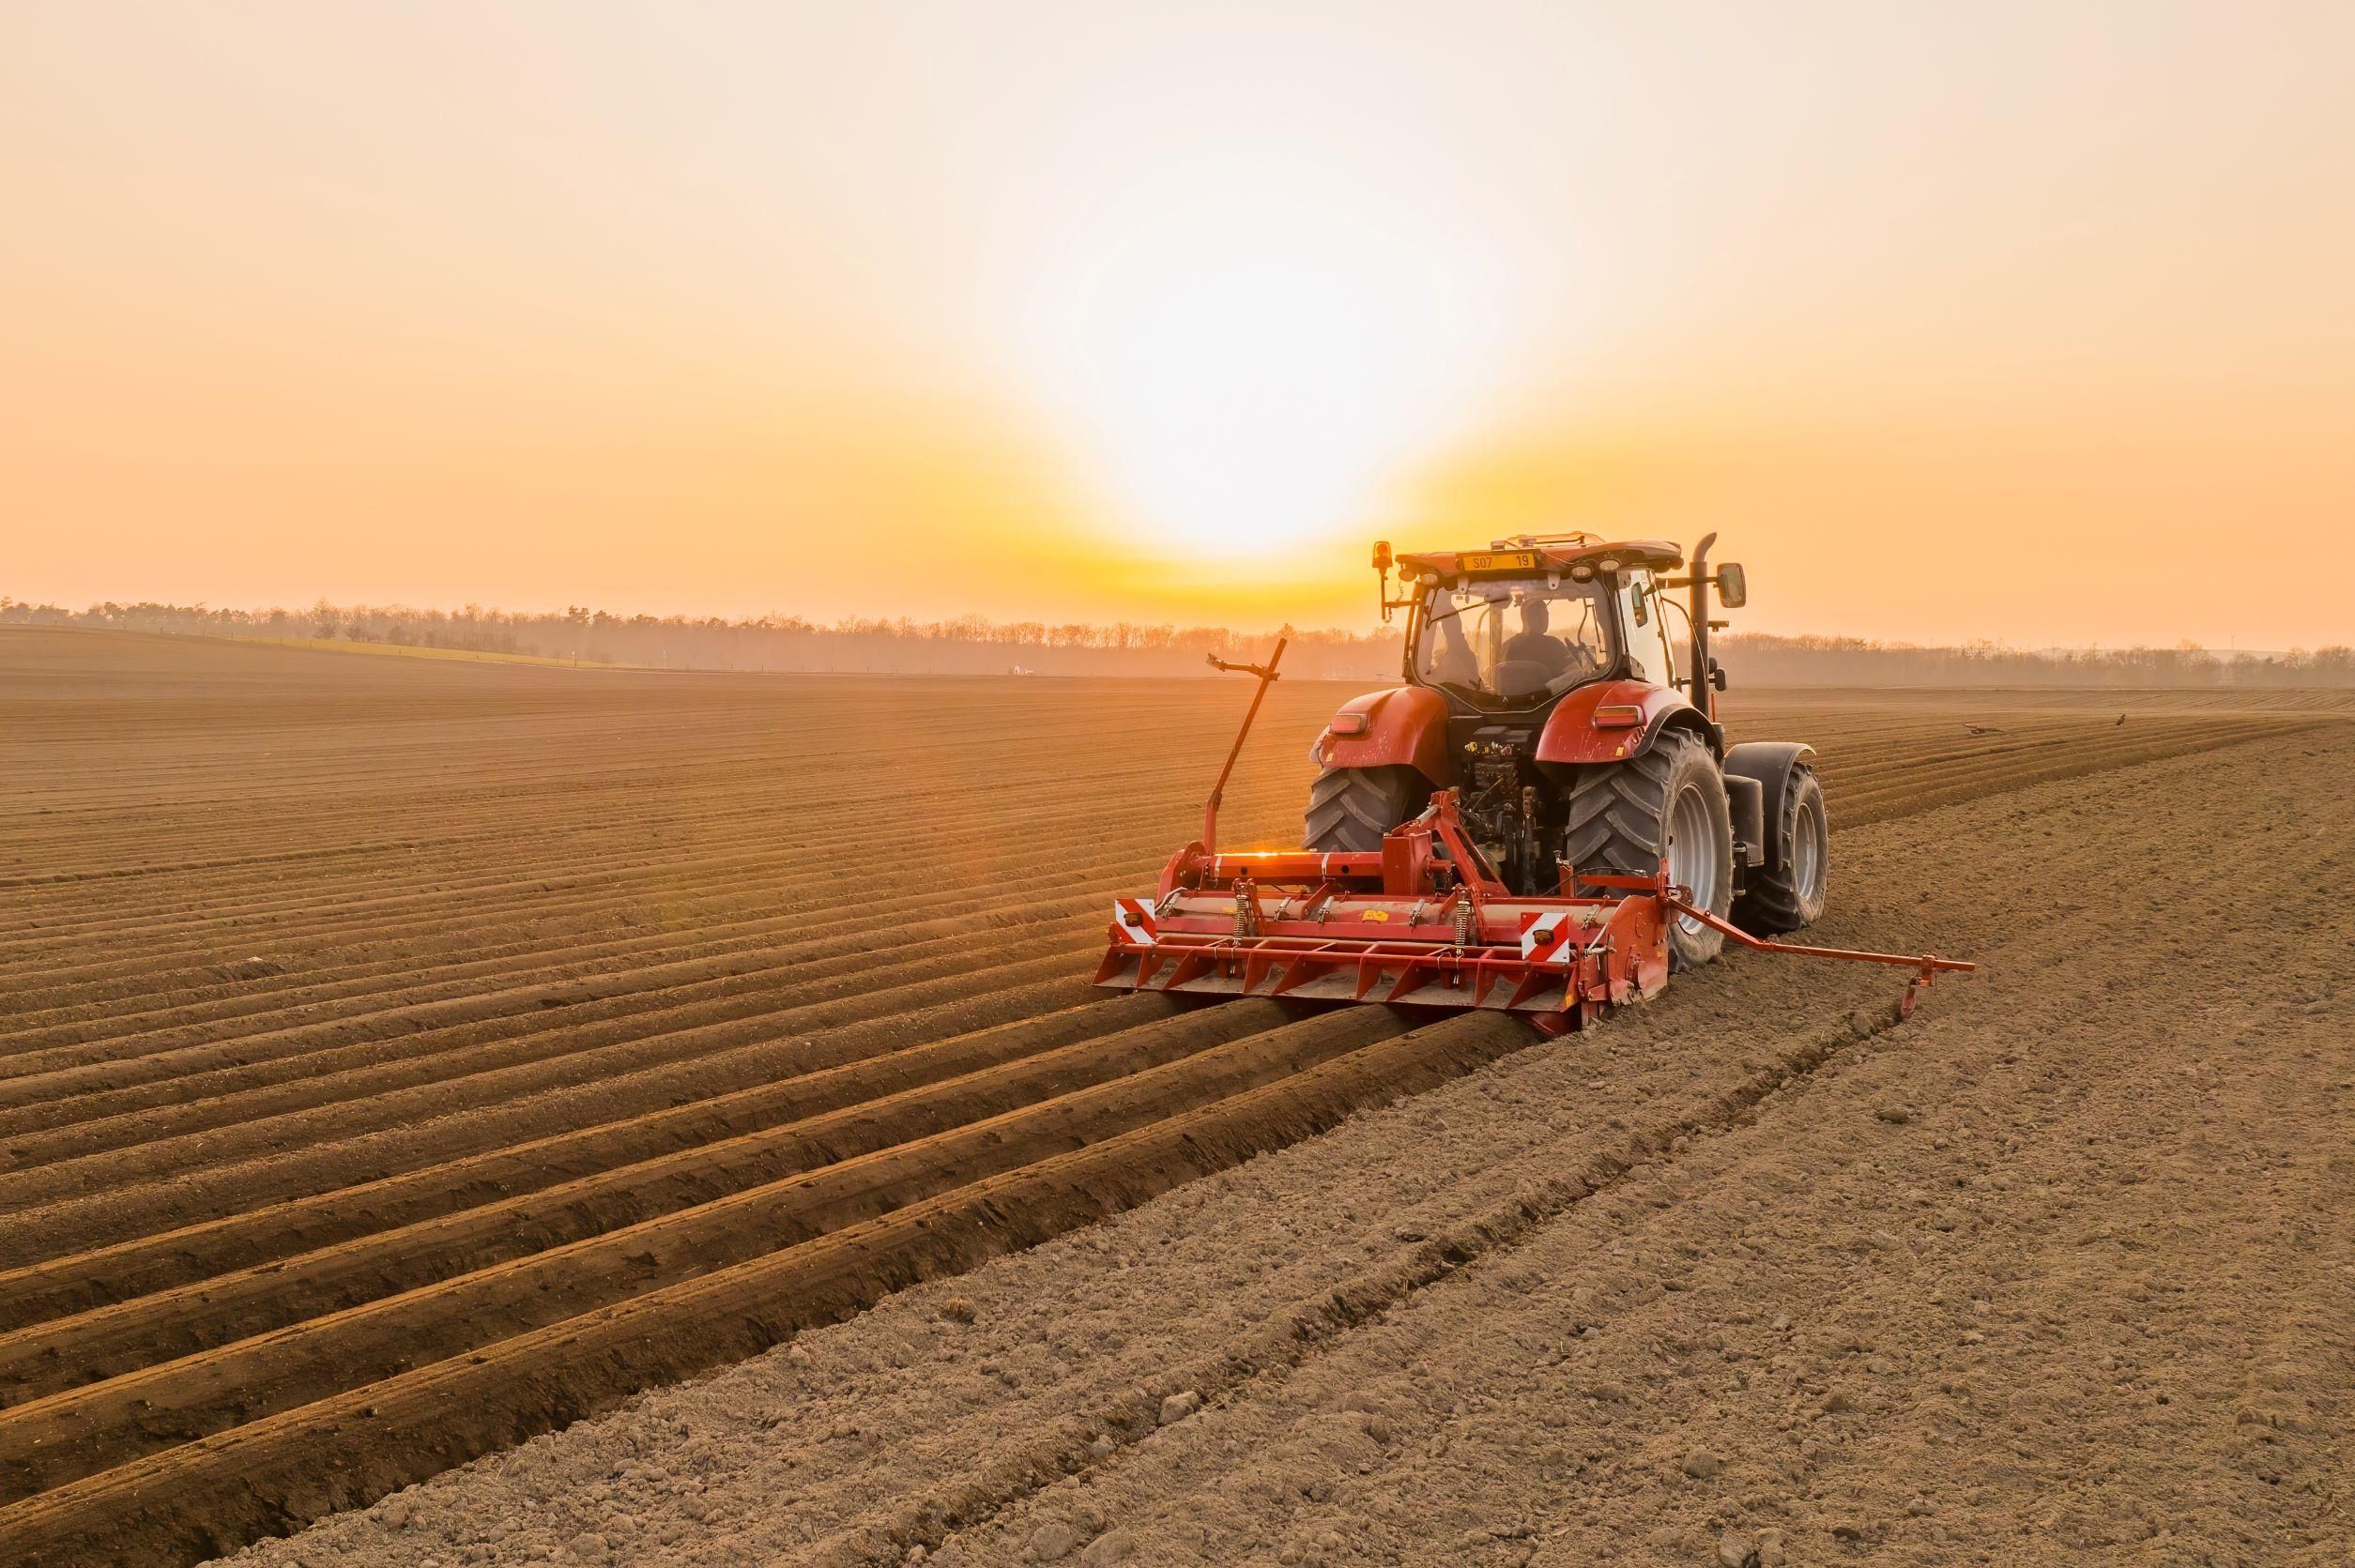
pixel 1546 939
pixel 1135 918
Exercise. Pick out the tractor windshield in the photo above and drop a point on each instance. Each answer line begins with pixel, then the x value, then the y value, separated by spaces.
pixel 1513 642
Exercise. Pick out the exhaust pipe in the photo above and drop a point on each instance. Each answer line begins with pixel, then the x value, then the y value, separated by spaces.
pixel 1704 689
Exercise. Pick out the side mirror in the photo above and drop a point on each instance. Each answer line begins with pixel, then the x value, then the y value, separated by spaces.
pixel 1732 589
pixel 1382 554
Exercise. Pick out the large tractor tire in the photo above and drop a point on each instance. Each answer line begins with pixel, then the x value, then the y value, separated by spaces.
pixel 1788 891
pixel 1669 803
pixel 1350 808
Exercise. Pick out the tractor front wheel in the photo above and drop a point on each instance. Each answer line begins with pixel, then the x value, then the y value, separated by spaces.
pixel 1350 808
pixel 1787 894
pixel 1625 817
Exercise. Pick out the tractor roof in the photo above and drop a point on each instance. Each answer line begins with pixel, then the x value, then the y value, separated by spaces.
pixel 1527 552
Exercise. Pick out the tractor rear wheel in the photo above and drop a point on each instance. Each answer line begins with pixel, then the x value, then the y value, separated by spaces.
pixel 1789 891
pixel 1350 808
pixel 1625 817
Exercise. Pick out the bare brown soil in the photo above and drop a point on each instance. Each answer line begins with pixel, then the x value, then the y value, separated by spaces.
pixel 401 1060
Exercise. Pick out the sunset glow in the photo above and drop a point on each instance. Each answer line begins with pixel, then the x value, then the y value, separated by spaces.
pixel 1078 312
pixel 1246 368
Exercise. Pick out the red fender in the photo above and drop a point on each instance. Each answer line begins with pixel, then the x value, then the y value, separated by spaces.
pixel 1574 737
pixel 1405 726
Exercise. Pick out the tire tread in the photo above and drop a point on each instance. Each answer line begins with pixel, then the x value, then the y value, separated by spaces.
pixel 1350 808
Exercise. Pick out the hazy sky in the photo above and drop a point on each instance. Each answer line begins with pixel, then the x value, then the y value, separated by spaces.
pixel 2033 322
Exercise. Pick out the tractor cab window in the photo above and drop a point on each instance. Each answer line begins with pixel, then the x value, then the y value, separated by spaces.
pixel 1512 642
pixel 1644 610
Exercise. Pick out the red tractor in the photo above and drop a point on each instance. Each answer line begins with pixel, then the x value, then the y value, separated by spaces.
pixel 1544 820
pixel 1546 686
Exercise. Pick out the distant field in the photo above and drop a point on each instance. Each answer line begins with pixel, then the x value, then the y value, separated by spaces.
pixel 410 650
pixel 401 1056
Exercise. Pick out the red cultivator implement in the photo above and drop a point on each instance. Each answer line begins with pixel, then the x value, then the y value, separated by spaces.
pixel 1425 920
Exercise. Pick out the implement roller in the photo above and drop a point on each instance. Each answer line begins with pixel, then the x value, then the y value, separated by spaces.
pixel 1544 820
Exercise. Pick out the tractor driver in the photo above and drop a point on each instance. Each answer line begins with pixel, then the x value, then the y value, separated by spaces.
pixel 1533 643
pixel 1579 653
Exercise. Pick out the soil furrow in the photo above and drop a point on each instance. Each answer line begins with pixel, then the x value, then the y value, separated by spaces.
pixel 742 1092
pixel 48 1168
pixel 417 1423
pixel 163 1196
pixel 833 1115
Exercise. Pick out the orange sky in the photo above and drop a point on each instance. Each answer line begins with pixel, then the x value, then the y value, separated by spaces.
pixel 2031 322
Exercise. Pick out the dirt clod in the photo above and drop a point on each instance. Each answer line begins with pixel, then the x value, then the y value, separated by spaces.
pixel 1114 1545
pixel 1054 1541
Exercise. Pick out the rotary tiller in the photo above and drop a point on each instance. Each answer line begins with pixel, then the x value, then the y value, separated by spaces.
pixel 1422 919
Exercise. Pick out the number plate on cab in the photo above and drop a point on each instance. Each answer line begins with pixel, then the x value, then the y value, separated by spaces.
pixel 1509 561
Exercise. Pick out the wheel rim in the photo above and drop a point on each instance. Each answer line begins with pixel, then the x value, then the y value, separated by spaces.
pixel 1807 852
pixel 1692 851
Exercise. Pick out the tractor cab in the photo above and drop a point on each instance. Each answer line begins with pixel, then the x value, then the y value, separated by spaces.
pixel 1529 665
pixel 1502 633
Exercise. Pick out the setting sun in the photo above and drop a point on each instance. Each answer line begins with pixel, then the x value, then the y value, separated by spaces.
pixel 1245 363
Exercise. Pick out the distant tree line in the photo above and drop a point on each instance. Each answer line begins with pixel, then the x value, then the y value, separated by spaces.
pixel 969 645
pixel 966 645
pixel 1771 661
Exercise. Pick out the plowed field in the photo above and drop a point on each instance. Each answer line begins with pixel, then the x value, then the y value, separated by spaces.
pixel 401 1058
